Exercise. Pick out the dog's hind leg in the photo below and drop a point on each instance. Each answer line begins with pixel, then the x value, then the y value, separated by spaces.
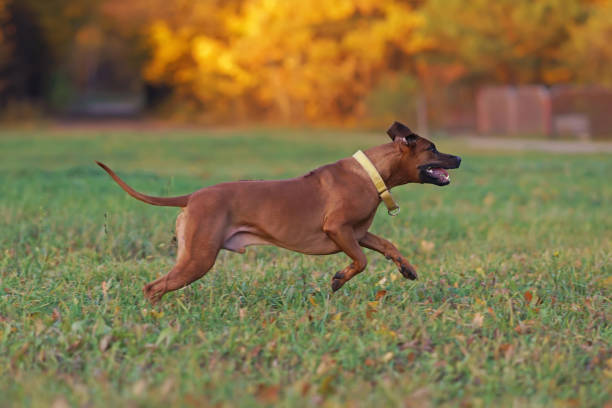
pixel 182 274
pixel 198 246
pixel 389 250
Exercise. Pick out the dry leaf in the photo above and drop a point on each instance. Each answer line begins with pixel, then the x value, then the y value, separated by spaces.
pixel 326 364
pixel 523 327
pixel 369 362
pixel 312 301
pixel 60 402
pixel 267 394
pixel 139 387
pixel 167 387
pixel 105 342
pixel 387 357
pixel 607 282
pixel 56 315
pixel 528 296
pixel 380 294
pixel 382 281
pixel 505 349
pixel 477 321
pixel 327 385
pixel 427 246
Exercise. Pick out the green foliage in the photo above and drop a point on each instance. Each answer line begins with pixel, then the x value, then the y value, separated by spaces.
pixel 512 307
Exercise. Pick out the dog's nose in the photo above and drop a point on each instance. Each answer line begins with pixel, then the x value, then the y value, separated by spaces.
pixel 458 160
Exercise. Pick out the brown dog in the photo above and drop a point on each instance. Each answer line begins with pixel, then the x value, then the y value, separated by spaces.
pixel 323 212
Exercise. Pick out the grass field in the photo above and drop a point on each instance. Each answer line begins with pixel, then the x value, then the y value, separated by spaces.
pixel 512 306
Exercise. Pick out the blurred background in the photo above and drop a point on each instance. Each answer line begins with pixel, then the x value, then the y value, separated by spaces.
pixel 505 67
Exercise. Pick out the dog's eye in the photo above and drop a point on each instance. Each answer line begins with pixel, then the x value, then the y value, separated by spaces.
pixel 432 148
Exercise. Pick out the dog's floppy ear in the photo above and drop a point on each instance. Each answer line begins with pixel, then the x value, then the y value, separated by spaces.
pixel 399 130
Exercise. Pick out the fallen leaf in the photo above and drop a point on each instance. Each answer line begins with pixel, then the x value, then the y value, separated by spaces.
pixel 312 301
pixel 56 315
pixel 326 364
pixel 505 349
pixel 369 362
pixel 60 402
pixel 382 281
pixel 167 387
pixel 427 246
pixel 156 314
pixel 139 387
pixel 75 345
pixel 380 294
pixel 105 342
pixel 528 296
pixel 477 321
pixel 387 357
pixel 267 394
pixel 607 282
pixel 327 385
pixel 523 327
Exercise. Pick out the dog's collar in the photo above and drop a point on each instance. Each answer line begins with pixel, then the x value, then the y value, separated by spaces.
pixel 392 208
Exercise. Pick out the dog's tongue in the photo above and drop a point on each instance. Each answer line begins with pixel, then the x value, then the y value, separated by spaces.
pixel 438 171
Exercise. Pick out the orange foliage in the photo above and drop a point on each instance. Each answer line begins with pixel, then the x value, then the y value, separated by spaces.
pixel 303 60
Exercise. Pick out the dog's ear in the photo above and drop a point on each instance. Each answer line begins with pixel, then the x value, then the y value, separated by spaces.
pixel 398 130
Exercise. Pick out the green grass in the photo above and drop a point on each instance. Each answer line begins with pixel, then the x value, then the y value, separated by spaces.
pixel 512 307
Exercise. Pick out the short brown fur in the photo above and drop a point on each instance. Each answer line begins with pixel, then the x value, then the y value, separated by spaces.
pixel 326 211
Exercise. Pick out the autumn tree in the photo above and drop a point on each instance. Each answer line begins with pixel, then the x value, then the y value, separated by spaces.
pixel 503 41
pixel 588 54
pixel 313 59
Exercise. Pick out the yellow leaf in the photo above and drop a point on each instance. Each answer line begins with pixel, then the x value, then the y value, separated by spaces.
pixel 156 314
pixel 387 357
pixel 312 301
pixel 607 282
pixel 427 246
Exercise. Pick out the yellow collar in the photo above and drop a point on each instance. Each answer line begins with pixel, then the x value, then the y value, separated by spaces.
pixel 392 208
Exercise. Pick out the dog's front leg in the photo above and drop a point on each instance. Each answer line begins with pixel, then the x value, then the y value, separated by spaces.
pixel 344 237
pixel 389 250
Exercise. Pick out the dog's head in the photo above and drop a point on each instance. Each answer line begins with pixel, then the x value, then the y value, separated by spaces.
pixel 421 162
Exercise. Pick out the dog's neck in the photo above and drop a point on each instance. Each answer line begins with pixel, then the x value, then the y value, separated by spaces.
pixel 386 158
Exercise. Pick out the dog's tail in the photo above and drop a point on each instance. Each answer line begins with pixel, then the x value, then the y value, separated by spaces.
pixel 180 201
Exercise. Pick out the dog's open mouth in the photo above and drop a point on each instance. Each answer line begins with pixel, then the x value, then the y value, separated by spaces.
pixel 438 173
pixel 435 174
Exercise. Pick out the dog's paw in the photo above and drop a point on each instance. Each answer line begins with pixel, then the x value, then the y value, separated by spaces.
pixel 408 272
pixel 152 296
pixel 337 281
